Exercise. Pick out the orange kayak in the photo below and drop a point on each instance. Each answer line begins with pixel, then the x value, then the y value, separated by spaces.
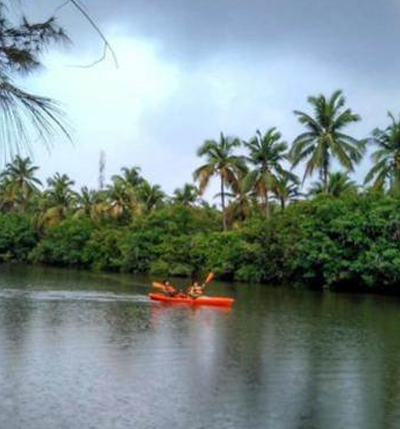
pixel 202 300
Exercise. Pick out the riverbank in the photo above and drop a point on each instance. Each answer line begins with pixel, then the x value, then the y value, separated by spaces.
pixel 348 243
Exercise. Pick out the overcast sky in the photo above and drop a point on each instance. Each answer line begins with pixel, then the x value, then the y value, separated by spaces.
pixel 189 69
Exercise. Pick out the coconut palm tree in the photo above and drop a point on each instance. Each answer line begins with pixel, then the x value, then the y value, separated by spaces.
pixel 122 199
pixel 386 169
pixel 93 203
pixel 241 206
pixel 186 196
pixel 266 153
pixel 59 192
pixel 338 184
pixel 324 138
pixel 58 199
pixel 220 161
pixel 86 200
pixel 130 176
pixel 150 196
pixel 287 189
pixel 8 197
pixel 21 181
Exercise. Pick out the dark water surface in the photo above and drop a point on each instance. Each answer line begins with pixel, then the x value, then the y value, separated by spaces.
pixel 80 350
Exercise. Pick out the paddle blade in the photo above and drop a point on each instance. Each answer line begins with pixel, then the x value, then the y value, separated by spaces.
pixel 209 278
pixel 158 286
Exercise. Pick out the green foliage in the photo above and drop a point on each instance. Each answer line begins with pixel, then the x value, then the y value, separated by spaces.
pixel 218 252
pixel 324 136
pixel 102 251
pixel 17 237
pixel 25 117
pixel 343 237
pixel 386 166
pixel 266 154
pixel 162 241
pixel 349 242
pixel 223 162
pixel 138 251
pixel 64 244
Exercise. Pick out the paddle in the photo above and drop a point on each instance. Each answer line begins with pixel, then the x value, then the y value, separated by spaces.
pixel 167 289
pixel 159 286
pixel 209 279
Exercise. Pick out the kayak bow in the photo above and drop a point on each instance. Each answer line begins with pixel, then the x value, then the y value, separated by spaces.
pixel 201 300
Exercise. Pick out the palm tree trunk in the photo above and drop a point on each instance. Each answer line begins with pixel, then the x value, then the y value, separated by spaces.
pixel 267 208
pixel 325 169
pixel 224 223
pixel 396 183
pixel 283 204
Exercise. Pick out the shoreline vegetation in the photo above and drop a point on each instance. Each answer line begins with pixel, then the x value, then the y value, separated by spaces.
pixel 268 228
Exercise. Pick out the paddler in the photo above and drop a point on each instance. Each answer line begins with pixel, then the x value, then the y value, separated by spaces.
pixel 195 290
pixel 169 290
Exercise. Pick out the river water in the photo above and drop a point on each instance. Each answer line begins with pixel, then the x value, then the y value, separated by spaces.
pixel 82 350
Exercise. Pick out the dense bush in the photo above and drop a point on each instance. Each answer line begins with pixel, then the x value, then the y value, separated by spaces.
pixel 102 249
pixel 17 237
pixel 350 243
pixel 65 243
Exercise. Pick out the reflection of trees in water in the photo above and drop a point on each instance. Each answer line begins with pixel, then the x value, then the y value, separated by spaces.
pixel 386 349
pixel 15 326
pixel 347 353
pixel 281 358
pixel 310 360
pixel 125 321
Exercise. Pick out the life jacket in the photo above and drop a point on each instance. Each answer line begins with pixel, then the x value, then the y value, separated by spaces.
pixel 195 290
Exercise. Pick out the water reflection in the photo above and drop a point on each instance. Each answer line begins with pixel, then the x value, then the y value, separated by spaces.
pixel 80 350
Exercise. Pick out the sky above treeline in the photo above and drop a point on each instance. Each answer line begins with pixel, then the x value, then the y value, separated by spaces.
pixel 189 69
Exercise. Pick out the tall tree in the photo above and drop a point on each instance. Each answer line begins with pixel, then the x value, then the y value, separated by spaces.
pixel 220 161
pixel 186 196
pixel 324 138
pixel 241 206
pixel 59 199
pixel 338 184
pixel 130 176
pixel 21 112
pixel 266 153
pixel 386 169
pixel 122 199
pixel 21 180
pixel 150 196
pixel 86 200
pixel 287 190
pixel 59 192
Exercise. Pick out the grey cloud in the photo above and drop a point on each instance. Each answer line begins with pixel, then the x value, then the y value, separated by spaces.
pixel 351 33
pixel 271 54
pixel 362 34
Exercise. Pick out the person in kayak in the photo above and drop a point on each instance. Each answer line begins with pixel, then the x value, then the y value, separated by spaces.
pixel 169 290
pixel 195 290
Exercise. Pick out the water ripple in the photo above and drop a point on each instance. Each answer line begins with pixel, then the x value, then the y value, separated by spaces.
pixel 68 295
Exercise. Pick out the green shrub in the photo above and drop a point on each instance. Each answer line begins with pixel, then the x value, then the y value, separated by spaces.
pixel 64 244
pixel 17 237
pixel 102 250
pixel 349 243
